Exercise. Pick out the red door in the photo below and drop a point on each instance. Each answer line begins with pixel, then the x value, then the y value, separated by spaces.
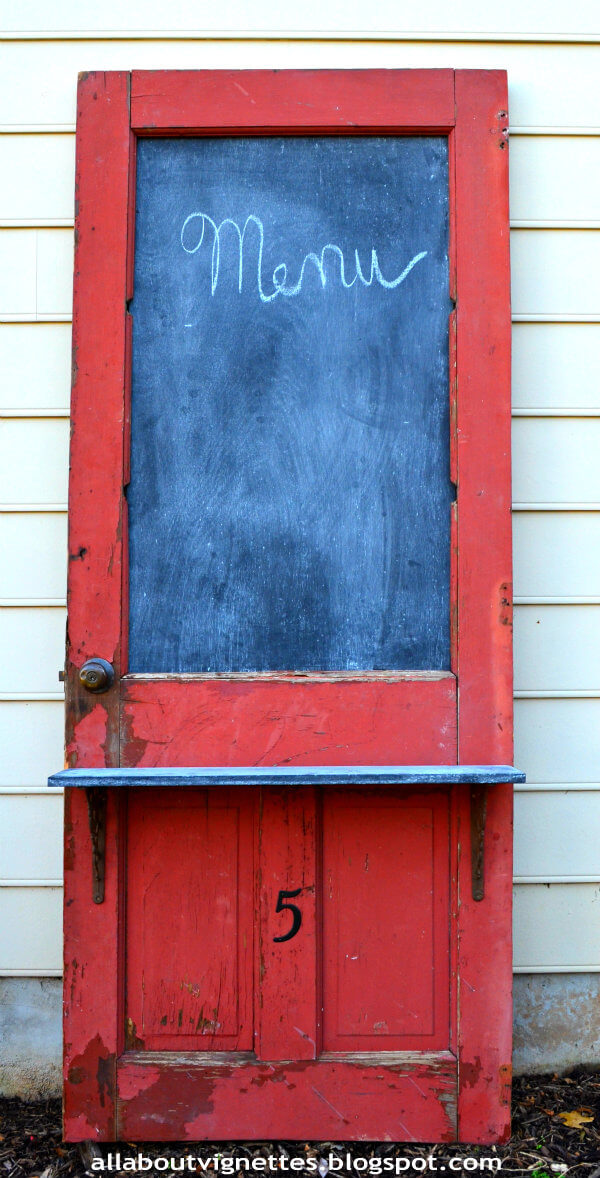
pixel 273 961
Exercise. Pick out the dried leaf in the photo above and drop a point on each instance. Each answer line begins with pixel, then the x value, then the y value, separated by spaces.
pixel 575 1119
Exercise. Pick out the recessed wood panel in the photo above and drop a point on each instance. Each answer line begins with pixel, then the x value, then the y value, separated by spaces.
pixel 189 920
pixel 385 921
pixel 289 721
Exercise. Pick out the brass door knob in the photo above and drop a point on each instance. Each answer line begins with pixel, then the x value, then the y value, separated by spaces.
pixel 97 675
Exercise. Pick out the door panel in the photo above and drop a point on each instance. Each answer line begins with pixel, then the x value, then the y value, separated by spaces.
pixel 209 863
pixel 385 921
pixel 293 720
pixel 189 920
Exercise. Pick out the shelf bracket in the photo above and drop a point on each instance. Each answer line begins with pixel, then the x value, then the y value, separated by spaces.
pixel 478 816
pixel 97 802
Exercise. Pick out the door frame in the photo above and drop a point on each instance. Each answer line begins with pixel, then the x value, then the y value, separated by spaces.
pixel 470 107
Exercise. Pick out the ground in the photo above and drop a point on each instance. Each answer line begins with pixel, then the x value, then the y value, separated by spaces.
pixel 556 1130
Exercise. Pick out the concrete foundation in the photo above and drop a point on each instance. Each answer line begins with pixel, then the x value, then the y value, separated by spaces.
pixel 557 1027
pixel 556 1021
pixel 30 1037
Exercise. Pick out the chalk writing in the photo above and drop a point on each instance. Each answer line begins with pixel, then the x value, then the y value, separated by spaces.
pixel 191 243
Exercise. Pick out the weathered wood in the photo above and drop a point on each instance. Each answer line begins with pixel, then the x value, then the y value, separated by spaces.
pixel 288 1024
pixel 189 915
pixel 378 849
pixel 93 958
pixel 293 721
pixel 286 722
pixel 309 101
pixel 284 775
pixel 333 1099
pixel 484 591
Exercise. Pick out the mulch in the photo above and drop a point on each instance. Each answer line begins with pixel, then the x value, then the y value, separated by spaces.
pixel 556 1131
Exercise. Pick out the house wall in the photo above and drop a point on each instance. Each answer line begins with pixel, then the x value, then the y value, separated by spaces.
pixel 550 50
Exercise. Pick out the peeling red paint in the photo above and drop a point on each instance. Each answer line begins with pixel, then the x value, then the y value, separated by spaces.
pixel 94 1074
pixel 282 720
pixel 470 1072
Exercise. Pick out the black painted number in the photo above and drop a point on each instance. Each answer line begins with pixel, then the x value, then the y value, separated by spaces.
pixel 293 908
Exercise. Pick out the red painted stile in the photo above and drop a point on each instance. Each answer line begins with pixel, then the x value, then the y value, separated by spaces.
pixel 484 590
pixel 185 1016
pixel 93 961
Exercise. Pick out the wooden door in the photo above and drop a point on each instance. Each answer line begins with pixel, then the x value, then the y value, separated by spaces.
pixel 279 581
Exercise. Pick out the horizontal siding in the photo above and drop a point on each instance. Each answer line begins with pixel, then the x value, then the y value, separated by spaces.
pixel 557 648
pixel 554 179
pixel 34 546
pixel 558 740
pixel 34 460
pixel 556 554
pixel 33 645
pixel 555 366
pixel 557 928
pixel 35 359
pixel 31 929
pixel 147 17
pixel 551 85
pixel 38 178
pixel 31 837
pixel 555 460
pixel 555 272
pixel 556 835
pixel 31 741
pixel 36 273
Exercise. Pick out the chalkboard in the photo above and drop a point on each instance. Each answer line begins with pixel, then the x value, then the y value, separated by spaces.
pixel 289 502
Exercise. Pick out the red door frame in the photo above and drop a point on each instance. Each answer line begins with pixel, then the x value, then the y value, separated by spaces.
pixel 470 107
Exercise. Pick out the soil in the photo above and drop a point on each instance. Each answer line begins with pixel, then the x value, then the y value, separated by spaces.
pixel 556 1131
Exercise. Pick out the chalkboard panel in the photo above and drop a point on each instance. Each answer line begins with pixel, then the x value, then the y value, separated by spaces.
pixel 289 495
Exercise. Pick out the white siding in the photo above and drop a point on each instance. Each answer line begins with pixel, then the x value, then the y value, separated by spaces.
pixel 556 554
pixel 35 359
pixel 39 179
pixel 557 738
pixel 31 931
pixel 34 461
pixel 34 547
pixel 552 65
pixel 555 460
pixel 556 836
pixel 551 85
pixel 557 928
pixel 32 741
pixel 354 17
pixel 554 179
pixel 557 649
pixel 555 370
pixel 36 274
pixel 31 838
pixel 33 642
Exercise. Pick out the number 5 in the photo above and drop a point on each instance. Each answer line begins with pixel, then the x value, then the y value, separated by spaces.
pixel 297 915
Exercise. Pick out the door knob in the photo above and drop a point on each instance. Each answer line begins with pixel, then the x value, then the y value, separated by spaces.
pixel 97 675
